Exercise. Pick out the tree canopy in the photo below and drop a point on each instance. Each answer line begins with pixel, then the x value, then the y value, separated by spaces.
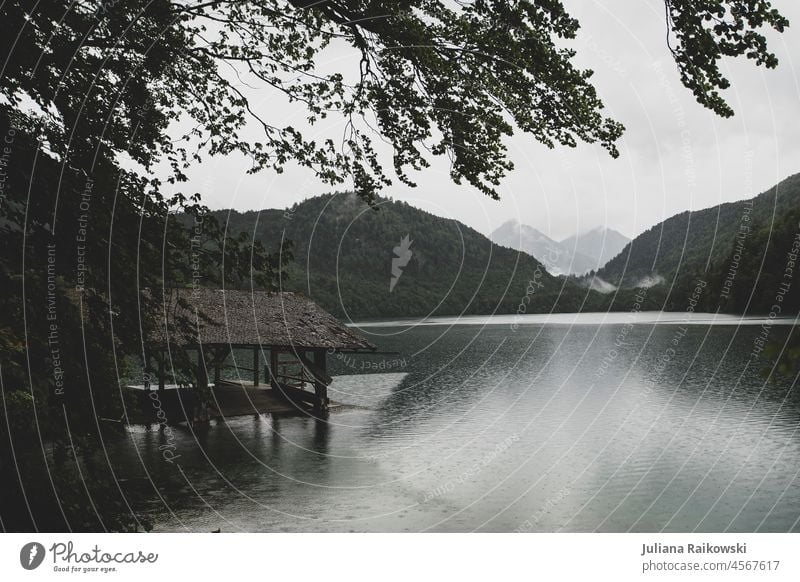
pixel 434 77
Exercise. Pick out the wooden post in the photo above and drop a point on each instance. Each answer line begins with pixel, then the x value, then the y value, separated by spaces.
pixel 220 355
pixel 201 412
pixel 273 367
pixel 320 359
pixel 256 365
pixel 161 371
pixel 322 401
pixel 147 370
pixel 320 387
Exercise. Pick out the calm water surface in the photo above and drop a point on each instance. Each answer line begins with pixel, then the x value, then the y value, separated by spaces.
pixel 569 425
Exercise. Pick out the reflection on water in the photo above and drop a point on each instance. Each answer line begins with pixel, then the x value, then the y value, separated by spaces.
pixel 550 427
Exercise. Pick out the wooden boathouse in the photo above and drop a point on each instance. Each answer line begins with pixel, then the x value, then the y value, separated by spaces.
pixel 287 334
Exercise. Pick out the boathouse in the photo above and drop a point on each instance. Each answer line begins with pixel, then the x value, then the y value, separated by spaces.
pixel 276 344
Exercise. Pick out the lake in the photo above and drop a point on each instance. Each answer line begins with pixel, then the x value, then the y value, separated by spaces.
pixel 595 422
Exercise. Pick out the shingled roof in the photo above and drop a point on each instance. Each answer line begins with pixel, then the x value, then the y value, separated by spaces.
pixel 255 318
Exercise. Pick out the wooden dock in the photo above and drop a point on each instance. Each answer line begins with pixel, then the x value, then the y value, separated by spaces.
pixel 173 405
pixel 288 335
pixel 241 398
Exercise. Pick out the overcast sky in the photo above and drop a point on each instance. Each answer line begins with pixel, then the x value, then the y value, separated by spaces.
pixel 675 155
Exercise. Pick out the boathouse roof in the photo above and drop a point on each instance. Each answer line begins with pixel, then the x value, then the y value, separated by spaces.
pixel 244 318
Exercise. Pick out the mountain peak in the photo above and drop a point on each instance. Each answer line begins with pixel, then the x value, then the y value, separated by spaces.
pixel 601 244
pixel 556 258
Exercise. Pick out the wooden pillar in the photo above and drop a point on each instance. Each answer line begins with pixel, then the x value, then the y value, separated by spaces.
pixel 202 371
pixel 320 388
pixel 147 370
pixel 320 359
pixel 321 393
pixel 256 365
pixel 273 366
pixel 220 355
pixel 161 371
pixel 200 412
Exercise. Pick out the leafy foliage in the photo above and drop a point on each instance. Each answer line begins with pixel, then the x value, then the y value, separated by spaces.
pixel 704 32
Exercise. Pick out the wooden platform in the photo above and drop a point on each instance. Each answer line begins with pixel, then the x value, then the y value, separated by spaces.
pixel 242 398
pixel 229 399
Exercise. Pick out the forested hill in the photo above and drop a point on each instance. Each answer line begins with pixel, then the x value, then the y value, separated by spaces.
pixel 343 253
pixel 739 248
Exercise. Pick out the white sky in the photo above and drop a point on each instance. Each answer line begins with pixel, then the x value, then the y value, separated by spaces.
pixel 675 155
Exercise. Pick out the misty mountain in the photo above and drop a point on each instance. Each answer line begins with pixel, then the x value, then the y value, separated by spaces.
pixel 400 261
pixel 744 252
pixel 599 244
pixel 558 258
